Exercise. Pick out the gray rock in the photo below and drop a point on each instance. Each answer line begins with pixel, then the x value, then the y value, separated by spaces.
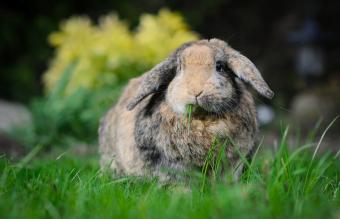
pixel 265 114
pixel 310 106
pixel 12 115
pixel 11 148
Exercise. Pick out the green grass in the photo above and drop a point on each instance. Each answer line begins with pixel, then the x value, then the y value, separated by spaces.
pixel 287 183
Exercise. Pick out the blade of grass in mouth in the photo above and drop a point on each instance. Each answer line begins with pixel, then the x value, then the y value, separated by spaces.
pixel 188 110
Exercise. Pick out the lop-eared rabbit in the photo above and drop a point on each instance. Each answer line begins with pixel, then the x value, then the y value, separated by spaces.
pixel 147 132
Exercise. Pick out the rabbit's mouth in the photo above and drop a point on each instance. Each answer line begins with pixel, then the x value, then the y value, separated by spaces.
pixel 212 105
pixel 197 109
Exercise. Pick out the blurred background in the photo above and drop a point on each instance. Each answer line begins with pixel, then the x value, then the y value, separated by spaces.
pixel 64 63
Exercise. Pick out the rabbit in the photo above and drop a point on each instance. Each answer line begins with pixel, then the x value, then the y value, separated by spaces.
pixel 143 134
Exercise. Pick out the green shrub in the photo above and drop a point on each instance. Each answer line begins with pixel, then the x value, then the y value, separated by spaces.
pixel 60 119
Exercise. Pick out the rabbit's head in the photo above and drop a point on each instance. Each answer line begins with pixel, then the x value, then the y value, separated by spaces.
pixel 205 73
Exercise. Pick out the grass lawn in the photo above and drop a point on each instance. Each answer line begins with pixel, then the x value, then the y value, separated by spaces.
pixel 287 183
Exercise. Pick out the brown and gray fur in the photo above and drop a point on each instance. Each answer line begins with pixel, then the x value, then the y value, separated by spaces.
pixel 147 133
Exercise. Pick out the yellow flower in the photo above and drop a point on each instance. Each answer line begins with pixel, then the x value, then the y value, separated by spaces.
pixel 109 53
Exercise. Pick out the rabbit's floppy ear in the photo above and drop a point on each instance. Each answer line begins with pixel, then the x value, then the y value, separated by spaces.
pixel 154 79
pixel 157 77
pixel 245 69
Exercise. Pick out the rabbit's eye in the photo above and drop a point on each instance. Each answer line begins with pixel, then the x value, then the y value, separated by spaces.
pixel 220 66
pixel 223 68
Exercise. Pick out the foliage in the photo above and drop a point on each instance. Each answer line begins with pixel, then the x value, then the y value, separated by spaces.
pixel 109 53
pixel 290 183
pixel 61 120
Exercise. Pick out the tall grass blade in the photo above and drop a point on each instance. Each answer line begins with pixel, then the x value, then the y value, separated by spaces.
pixel 323 135
pixel 30 156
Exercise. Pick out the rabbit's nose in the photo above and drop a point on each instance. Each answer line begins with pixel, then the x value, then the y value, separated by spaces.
pixel 198 93
pixel 195 93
